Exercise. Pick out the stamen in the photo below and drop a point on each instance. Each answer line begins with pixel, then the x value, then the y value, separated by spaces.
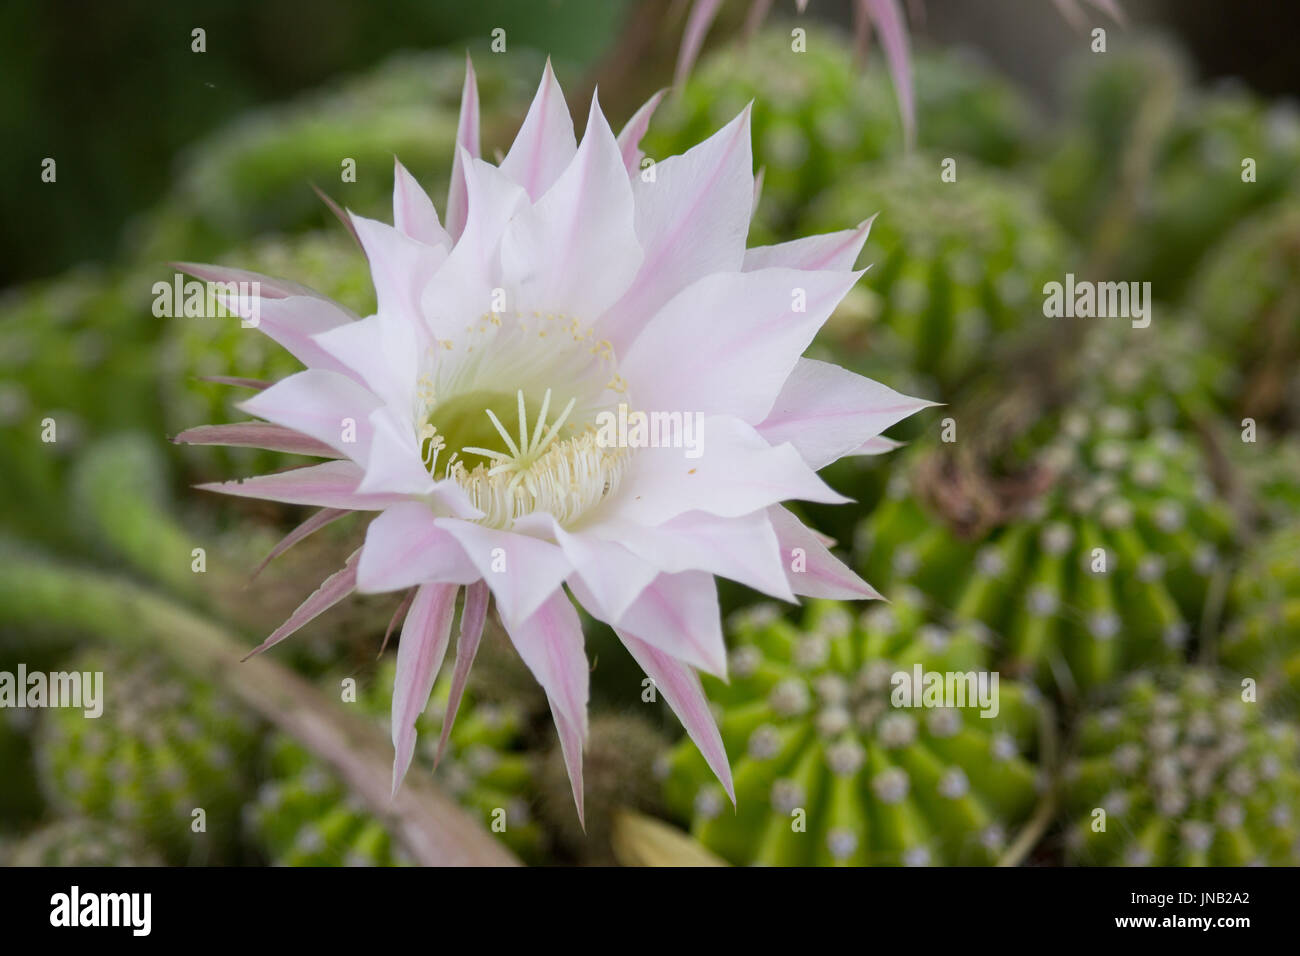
pixel 505 435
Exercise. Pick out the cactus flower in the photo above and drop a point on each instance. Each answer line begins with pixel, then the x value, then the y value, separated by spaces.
pixel 563 290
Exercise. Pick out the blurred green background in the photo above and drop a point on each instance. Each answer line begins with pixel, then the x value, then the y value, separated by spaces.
pixel 1122 688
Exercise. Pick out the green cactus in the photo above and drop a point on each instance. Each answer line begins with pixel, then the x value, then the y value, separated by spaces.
pixel 20 799
pixel 1170 165
pixel 1173 377
pixel 76 360
pixel 1101 564
pixel 955 267
pixel 810 726
pixel 817 114
pixel 1187 774
pixel 1263 642
pixel 304 816
pixel 162 749
pixel 254 176
pixel 1248 299
pixel 80 842
pixel 1118 106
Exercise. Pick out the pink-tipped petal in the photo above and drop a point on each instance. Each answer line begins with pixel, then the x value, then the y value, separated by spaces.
pixel 267 286
pixel 545 144
pixel 746 332
pixel 256 384
pixel 613 573
pixel 293 323
pixel 888 18
pixel 399 615
pixel 467 140
pixel 338 212
pixel 742 548
pixel 380 351
pixel 827 412
pixel 332 590
pixel 405 546
pixel 679 615
pixel 576 249
pixel 691 221
pixel 835 251
pixel 313 524
pixel 629 139
pixel 413 212
pixel 327 406
pixel 400 267
pixel 697 27
pixel 810 567
pixel 550 643
pixel 737 473
pixel 472 618
pixel 332 484
pixel 879 445
pixel 758 191
pixel 681 689
pixel 419 656
pixel 521 570
pixel 758 11
pixel 256 435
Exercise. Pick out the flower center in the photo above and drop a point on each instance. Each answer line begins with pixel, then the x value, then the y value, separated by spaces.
pixel 547 464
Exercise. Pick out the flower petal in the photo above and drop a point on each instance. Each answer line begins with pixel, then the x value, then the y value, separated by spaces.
pixel 827 412
pixel 331 484
pixel 313 524
pixel 332 590
pixel 462 289
pixel 382 351
pixel 613 574
pixel 550 643
pixel 835 251
pixel 405 546
pixel 681 688
pixel 629 138
pixel 256 435
pixel 575 252
pixel 678 614
pixel 393 462
pixel 697 27
pixel 545 144
pixel 888 18
pixel 727 344
pixel 522 571
pixel 400 268
pixel 810 567
pixel 413 212
pixel 473 616
pixel 324 405
pixel 737 473
pixel 467 143
pixel 419 657
pixel 742 548
pixel 692 220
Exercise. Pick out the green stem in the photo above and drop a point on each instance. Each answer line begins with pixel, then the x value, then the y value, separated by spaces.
pixel 39 593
